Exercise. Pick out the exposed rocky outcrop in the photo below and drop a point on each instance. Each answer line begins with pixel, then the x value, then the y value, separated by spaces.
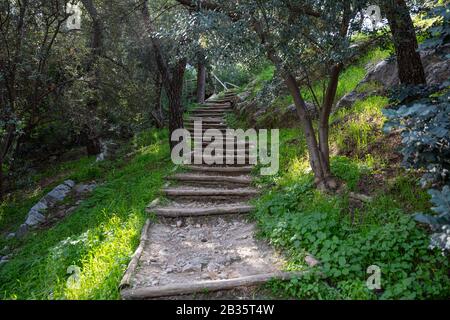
pixel 385 74
pixel 37 216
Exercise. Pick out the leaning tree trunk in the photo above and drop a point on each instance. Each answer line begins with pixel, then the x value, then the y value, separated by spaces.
pixel 410 68
pixel 319 162
pixel 201 80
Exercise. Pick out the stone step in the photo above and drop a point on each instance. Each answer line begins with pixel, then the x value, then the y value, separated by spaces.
pixel 211 179
pixel 219 209
pixel 210 193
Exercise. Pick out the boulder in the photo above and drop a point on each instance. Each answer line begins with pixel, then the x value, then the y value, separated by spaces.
pixel 36 214
pixel 435 64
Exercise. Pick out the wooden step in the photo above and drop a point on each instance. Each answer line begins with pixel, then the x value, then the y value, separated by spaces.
pixel 212 110
pixel 221 170
pixel 191 177
pixel 200 115
pixel 207 119
pixel 224 209
pixel 206 126
pixel 210 193
pixel 202 286
pixel 209 113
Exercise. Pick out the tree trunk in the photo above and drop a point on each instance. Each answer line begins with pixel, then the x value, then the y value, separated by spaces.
pixel 156 111
pixel 1 178
pixel 174 93
pixel 172 79
pixel 410 68
pixel 93 143
pixel 317 161
pixel 325 112
pixel 201 80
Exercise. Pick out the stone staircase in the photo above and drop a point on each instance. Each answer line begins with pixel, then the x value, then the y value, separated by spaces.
pixel 203 240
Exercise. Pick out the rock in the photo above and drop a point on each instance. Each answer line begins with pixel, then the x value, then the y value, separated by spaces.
pixel 85 188
pixel 170 270
pixel 435 64
pixel 59 193
pixel 350 98
pixel 192 268
pixel 179 224
pixel 10 236
pixel 34 218
pixel 69 183
pixel 22 231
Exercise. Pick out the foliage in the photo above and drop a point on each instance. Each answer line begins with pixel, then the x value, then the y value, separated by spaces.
pixel 439 33
pixel 425 125
pixel 299 218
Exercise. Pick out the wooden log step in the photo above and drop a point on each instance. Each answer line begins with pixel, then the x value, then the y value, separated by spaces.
pixel 175 212
pixel 190 177
pixel 210 193
pixel 206 119
pixel 209 113
pixel 206 126
pixel 212 109
pixel 201 113
pixel 177 289
pixel 225 170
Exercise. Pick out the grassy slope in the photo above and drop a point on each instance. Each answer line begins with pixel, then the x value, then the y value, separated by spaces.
pixel 99 237
pixel 349 237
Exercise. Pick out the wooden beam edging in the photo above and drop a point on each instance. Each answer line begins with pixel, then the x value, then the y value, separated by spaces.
pixel 205 286
pixel 129 272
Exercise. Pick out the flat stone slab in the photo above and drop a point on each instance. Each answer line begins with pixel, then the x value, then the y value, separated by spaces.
pixel 216 253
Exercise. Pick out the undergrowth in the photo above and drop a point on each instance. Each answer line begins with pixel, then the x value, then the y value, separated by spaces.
pixel 97 239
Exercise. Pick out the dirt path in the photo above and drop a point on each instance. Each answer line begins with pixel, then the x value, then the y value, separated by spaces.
pixel 203 246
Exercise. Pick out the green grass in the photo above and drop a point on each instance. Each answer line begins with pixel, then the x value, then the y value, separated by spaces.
pixel 99 237
pixel 350 77
pixel 347 239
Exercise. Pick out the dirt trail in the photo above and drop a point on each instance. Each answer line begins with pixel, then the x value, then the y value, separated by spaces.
pixel 203 245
